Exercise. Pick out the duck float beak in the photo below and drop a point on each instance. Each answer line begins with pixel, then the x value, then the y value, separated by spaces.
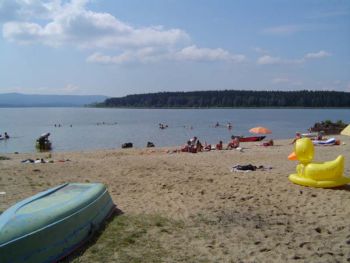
pixel 293 157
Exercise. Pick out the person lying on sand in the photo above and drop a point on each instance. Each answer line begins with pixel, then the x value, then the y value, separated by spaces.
pixel 268 143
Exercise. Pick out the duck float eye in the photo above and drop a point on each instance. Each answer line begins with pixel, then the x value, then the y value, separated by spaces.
pixel 326 175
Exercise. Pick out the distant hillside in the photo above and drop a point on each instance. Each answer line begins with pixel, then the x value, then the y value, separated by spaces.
pixel 233 98
pixel 26 100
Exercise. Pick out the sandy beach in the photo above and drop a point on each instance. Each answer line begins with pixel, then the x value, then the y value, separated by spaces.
pixel 223 216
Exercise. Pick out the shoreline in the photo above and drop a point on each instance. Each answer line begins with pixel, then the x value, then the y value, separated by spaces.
pixel 338 136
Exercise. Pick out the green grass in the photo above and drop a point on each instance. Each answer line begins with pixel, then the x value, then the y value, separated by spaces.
pixel 131 238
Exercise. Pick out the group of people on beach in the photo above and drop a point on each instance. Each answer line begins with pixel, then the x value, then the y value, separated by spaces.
pixel 298 135
pixel 194 145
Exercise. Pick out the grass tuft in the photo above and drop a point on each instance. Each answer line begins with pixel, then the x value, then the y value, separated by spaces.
pixel 131 238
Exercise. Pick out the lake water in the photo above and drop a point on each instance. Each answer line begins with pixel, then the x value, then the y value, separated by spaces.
pixel 82 128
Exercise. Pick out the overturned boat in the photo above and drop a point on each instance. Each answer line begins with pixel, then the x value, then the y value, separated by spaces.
pixel 50 225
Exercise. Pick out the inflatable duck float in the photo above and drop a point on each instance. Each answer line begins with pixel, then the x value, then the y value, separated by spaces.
pixel 325 175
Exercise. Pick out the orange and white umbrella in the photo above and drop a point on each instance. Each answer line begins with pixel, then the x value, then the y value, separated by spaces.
pixel 260 130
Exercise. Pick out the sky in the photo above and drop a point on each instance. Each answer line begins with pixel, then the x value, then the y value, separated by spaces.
pixel 116 48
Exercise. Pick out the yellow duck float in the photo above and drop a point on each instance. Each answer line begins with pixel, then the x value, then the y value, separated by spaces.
pixel 325 175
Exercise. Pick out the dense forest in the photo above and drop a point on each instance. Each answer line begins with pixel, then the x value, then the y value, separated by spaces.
pixel 232 99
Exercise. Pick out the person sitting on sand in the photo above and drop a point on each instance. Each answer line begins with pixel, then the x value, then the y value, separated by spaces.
pixel 187 147
pixel 207 147
pixel 297 136
pixel 319 136
pixel 193 141
pixel 269 143
pixel 199 147
pixel 219 146
pixel 234 143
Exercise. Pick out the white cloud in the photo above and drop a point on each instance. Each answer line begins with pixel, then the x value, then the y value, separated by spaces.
pixel 320 54
pixel 11 10
pixel 142 55
pixel 78 26
pixel 268 60
pixel 69 23
pixel 145 55
pixel 206 54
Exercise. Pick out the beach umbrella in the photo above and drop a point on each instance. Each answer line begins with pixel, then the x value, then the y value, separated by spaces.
pixel 260 130
pixel 346 131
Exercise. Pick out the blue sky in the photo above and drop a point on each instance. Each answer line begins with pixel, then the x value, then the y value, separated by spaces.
pixel 116 48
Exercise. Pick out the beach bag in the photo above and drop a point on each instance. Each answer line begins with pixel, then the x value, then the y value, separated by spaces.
pixel 127 145
pixel 150 144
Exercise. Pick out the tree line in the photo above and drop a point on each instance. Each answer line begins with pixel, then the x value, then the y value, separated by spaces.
pixel 232 99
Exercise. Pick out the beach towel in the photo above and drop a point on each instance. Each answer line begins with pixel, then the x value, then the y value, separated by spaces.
pixel 248 168
pixel 330 141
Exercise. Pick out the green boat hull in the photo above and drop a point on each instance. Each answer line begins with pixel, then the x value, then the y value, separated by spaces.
pixel 52 224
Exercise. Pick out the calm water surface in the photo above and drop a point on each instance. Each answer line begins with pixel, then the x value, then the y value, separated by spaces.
pixel 82 128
